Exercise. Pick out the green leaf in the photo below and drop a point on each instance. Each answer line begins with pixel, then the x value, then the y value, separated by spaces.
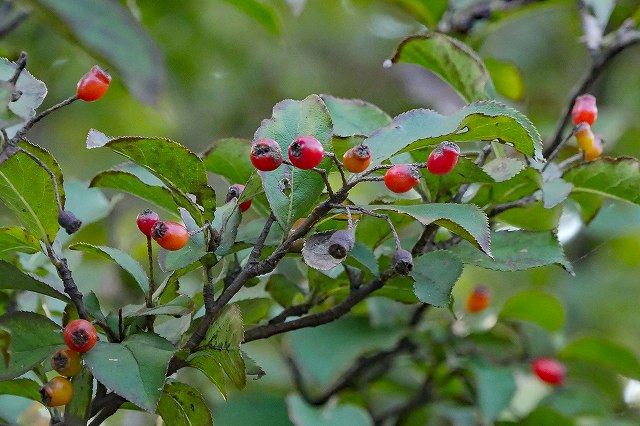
pixel 588 203
pixel 362 255
pixel 229 158
pixel 516 251
pixel 506 77
pixel 555 191
pixel 303 414
pixel 447 185
pixel 503 168
pixel 181 170
pixel 617 178
pixel 466 220
pixel 546 416
pixel 495 386
pixel 88 204
pixel 181 305
pixel 253 310
pixel 92 304
pixel 428 12
pixel 601 352
pixel 226 222
pixel 282 289
pixel 33 339
pixel 103 28
pixel 292 119
pixel 211 369
pixel 28 191
pixel 536 307
pixel 190 253
pixel 121 259
pixel 532 217
pixel 5 345
pixel 260 12
pixel 354 117
pixel 222 345
pixel 450 59
pixel 77 412
pixel 435 274
pixel 25 388
pixel 484 121
pixel 14 239
pixel 134 369
pixel 33 93
pixel 182 405
pixel 521 185
pixel 12 278
pixel 128 182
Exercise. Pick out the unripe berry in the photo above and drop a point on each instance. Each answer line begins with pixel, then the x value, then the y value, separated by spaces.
pixel 584 110
pixel 402 262
pixel 69 221
pixel 549 370
pixel 93 85
pixel 305 152
pixel 585 137
pixel 145 221
pixel 478 300
pixel 402 178
pixel 443 159
pixel 66 362
pixel 80 335
pixel 234 192
pixel 58 391
pixel 340 243
pixel 170 235
pixel 266 155
pixel 357 159
pixel 595 150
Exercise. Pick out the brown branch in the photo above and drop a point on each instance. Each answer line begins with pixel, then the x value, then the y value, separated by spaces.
pixel 29 124
pixel 422 396
pixel 512 204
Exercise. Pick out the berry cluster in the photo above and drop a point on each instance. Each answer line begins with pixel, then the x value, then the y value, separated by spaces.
pixel 80 336
pixel 404 177
pixel 584 114
pixel 305 152
pixel 169 235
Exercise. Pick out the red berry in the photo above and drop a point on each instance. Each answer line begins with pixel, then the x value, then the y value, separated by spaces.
pixel 266 155
pixel 145 221
pixel 442 159
pixel 402 178
pixel 93 85
pixel 584 110
pixel 306 152
pixel 170 235
pixel 357 159
pixel 80 335
pixel 58 391
pixel 66 362
pixel 549 370
pixel 234 192
pixel 478 300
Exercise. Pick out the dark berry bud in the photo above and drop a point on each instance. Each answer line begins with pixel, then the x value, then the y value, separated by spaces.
pixel 403 262
pixel 69 221
pixel 340 244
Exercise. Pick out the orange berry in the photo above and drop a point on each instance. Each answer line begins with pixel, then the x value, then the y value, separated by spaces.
pixel 58 391
pixel 170 235
pixel 478 300
pixel 66 362
pixel 357 159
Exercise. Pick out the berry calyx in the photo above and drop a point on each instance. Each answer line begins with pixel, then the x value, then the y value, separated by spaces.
pixel 443 159
pixel 584 110
pixel 69 221
pixel 305 152
pixel 93 85
pixel 170 235
pixel 66 362
pixel 402 262
pixel 595 150
pixel 357 159
pixel 340 243
pixel 58 391
pixel 478 300
pixel 585 137
pixel 549 370
pixel 234 192
pixel 402 178
pixel 266 155
pixel 145 221
pixel 80 335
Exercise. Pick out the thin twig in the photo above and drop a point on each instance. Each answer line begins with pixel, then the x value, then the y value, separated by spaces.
pixel 499 208
pixel 562 143
pixel 338 165
pixel 569 161
pixel 259 245
pixel 426 239
pixel 29 124
pixel 152 284
pixel 51 174
pixel 373 214
pixel 422 395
